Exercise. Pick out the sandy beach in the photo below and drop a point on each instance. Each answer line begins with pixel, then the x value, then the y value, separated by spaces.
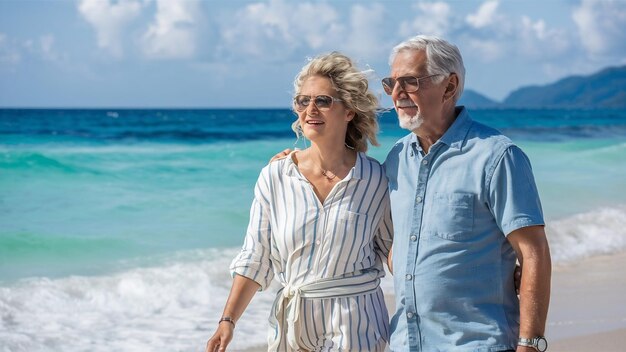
pixel 588 305
pixel 587 308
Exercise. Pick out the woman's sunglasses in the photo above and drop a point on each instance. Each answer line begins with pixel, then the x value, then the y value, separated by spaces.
pixel 321 102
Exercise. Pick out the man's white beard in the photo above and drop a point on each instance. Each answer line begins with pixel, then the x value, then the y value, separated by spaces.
pixel 409 122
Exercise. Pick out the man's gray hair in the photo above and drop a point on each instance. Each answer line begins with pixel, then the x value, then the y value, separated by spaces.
pixel 442 57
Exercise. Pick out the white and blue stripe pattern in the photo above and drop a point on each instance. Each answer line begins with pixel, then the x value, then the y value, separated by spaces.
pixel 293 236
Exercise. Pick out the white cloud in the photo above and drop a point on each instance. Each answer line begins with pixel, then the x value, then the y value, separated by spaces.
pixel 433 19
pixel 484 16
pixel 537 40
pixel 47 48
pixel 602 26
pixel 172 34
pixel 275 30
pixel 257 27
pixel 109 18
pixel 365 39
pixel 305 22
pixel 485 50
pixel 491 35
pixel 8 53
pixel 43 48
pixel 281 31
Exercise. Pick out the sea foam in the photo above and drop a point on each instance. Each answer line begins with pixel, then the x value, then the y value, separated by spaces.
pixel 601 231
pixel 174 307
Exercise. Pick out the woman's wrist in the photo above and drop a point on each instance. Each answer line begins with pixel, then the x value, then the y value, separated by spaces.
pixel 227 319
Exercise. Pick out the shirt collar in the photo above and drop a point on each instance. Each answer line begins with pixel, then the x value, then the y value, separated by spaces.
pixel 457 132
pixel 291 169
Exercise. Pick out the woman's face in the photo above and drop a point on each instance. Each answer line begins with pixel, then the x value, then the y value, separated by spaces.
pixel 323 118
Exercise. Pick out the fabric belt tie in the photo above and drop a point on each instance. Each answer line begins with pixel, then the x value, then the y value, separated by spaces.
pixel 288 302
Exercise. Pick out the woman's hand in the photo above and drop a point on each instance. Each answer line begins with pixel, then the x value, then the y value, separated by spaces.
pixel 221 338
pixel 241 293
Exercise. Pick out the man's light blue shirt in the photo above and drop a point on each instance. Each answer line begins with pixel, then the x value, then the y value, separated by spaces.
pixel 453 266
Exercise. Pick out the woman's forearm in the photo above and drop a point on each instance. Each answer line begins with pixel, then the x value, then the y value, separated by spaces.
pixel 241 293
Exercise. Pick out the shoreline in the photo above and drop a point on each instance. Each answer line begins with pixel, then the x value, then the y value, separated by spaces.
pixel 587 306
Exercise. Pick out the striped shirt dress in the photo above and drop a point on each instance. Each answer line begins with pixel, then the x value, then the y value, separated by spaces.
pixel 328 257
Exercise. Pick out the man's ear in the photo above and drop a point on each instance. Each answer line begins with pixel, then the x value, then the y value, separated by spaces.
pixel 451 87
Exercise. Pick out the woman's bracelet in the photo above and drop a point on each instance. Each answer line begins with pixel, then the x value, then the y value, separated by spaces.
pixel 228 319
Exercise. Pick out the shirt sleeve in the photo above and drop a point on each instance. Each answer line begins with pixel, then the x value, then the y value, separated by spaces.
pixel 513 196
pixel 384 234
pixel 254 260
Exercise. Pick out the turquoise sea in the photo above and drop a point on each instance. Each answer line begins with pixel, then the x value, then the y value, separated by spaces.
pixel 117 226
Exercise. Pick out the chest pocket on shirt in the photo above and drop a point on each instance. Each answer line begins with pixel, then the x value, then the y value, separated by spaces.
pixel 350 230
pixel 453 215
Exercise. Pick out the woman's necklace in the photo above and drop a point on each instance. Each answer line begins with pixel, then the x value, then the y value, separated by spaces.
pixel 328 174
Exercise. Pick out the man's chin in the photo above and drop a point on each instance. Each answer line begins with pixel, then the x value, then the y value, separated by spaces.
pixel 410 123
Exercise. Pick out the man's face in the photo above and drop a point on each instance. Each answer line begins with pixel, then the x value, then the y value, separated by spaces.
pixel 422 106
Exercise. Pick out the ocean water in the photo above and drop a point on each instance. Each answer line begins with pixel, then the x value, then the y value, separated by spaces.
pixel 117 227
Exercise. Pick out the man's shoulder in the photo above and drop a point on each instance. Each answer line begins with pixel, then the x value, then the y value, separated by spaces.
pixel 406 139
pixel 487 136
pixel 401 144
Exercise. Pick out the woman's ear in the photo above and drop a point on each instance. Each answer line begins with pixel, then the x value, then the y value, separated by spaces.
pixel 350 116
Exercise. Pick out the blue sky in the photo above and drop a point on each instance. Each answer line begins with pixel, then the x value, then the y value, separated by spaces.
pixel 230 53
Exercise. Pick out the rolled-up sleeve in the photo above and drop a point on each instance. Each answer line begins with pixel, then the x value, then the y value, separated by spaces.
pixel 513 196
pixel 254 260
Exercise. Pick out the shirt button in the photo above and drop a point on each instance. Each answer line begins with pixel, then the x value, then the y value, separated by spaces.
pixel 318 242
pixel 413 238
pixel 418 199
pixel 425 162
pixel 409 315
pixel 409 276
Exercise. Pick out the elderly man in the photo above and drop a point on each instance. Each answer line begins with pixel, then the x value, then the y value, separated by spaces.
pixel 465 207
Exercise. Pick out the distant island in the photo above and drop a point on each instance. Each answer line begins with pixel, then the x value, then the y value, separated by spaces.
pixel 605 89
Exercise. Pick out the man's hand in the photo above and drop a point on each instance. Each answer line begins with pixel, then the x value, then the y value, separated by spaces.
pixel 517 278
pixel 390 261
pixel 281 155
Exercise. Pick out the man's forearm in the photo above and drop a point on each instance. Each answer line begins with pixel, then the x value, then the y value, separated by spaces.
pixel 531 246
pixel 535 295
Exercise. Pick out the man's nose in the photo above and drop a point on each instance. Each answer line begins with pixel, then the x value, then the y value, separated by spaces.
pixel 398 91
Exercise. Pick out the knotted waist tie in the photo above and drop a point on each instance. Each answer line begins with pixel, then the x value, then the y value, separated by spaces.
pixel 288 301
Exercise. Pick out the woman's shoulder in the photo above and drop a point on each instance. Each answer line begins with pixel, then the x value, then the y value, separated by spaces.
pixel 371 165
pixel 370 159
pixel 276 167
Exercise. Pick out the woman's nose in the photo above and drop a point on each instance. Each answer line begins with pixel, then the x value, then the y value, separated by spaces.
pixel 312 108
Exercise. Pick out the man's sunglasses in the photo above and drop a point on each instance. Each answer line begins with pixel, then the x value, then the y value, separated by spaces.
pixel 322 102
pixel 409 84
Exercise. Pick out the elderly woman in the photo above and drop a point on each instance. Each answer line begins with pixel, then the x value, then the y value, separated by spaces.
pixel 320 224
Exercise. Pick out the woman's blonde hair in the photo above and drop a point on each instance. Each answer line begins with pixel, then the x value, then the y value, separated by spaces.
pixel 353 89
